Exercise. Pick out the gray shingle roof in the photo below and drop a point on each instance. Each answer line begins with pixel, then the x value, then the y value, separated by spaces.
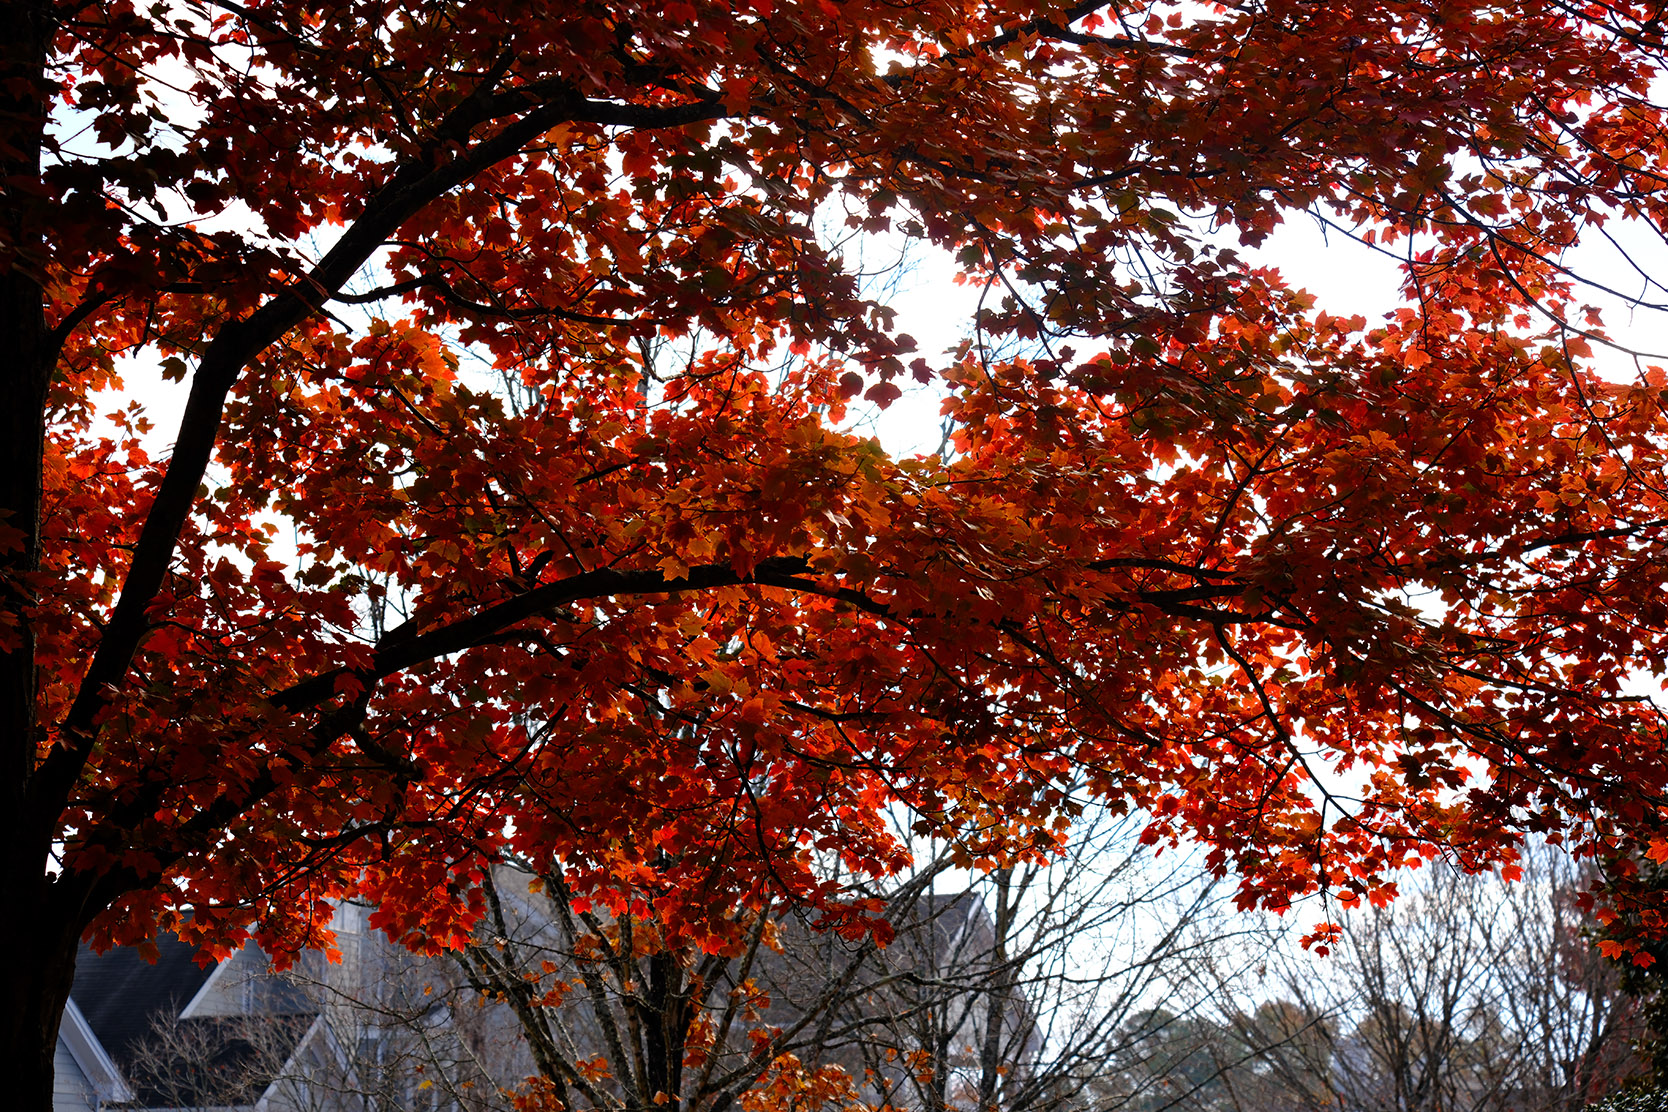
pixel 120 993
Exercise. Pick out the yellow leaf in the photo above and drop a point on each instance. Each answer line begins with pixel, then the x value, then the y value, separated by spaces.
pixel 674 568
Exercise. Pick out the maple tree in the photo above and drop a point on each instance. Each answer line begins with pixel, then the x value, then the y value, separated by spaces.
pixel 514 503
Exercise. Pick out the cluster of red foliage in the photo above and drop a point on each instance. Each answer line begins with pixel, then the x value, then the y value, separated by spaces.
pixel 1200 547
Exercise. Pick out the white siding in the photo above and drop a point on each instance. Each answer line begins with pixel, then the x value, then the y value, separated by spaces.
pixel 71 1091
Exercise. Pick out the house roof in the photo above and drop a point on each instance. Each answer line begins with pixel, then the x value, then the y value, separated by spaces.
pixel 119 992
pixel 219 1060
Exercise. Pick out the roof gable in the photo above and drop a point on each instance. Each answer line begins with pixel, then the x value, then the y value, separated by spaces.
pixel 119 992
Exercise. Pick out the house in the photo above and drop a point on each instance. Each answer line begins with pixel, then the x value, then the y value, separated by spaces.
pixel 174 1034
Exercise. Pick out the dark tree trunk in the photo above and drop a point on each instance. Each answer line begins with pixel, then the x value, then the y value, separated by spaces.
pixel 40 968
pixel 24 375
pixel 38 936
pixel 25 372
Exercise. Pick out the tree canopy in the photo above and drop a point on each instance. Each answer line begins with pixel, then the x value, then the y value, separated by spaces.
pixel 516 502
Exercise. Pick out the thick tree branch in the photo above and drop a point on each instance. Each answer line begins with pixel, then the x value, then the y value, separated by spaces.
pixel 413 185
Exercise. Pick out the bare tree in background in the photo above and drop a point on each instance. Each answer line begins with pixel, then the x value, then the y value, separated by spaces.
pixel 1011 990
pixel 1467 995
pixel 220 1062
pixel 1023 989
